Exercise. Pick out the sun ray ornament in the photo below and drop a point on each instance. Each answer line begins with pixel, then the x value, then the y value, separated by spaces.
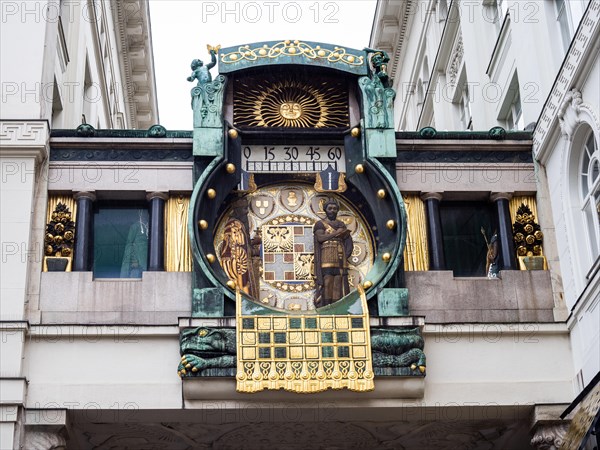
pixel 292 101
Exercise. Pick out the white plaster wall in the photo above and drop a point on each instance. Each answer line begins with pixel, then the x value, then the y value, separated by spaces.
pixel 7 431
pixel 24 53
pixel 103 367
pixel 538 52
pixel 533 50
pixel 468 364
pixel 585 334
pixel 90 33
pixel 122 176
pixel 11 352
pixel 567 214
pixel 30 57
pixel 591 346
pixel 557 185
pixel 581 295
pixel 498 364
pixel 16 202
pixel 484 177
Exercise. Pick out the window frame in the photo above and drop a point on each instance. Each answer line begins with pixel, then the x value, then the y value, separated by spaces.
pixel 120 205
pixel 565 23
pixel 589 192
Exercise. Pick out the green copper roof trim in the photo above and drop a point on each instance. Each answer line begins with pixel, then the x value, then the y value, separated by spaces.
pixel 429 133
pixel 306 53
pixel 188 134
pixel 101 133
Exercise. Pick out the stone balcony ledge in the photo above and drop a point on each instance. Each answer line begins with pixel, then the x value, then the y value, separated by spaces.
pixel 517 296
pixel 163 298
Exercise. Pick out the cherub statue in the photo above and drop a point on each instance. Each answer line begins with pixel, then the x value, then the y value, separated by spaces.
pixel 201 72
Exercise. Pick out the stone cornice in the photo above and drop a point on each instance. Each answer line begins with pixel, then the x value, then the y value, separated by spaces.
pixel 392 22
pixel 132 25
pixel 587 38
pixel 24 139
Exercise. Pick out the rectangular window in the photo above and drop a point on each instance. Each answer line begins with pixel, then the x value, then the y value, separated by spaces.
pixel 501 11
pixel 464 245
pixel 562 17
pixel 466 117
pixel 512 109
pixel 120 241
pixel 514 118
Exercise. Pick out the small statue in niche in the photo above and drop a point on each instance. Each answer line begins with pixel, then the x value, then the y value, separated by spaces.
pixel 333 247
pixel 237 249
pixel 201 72
pixel 492 267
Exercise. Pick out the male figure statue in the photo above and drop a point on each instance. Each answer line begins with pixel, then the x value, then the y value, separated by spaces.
pixel 333 247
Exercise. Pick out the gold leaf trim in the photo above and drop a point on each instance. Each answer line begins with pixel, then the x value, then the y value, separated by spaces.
pixel 292 48
pixel 308 362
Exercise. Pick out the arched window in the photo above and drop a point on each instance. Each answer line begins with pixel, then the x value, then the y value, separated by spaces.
pixel 589 177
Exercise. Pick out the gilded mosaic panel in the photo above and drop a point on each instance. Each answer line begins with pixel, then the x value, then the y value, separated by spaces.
pixel 304 353
pixel 283 216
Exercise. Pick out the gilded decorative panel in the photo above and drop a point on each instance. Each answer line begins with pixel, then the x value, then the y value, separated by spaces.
pixel 295 101
pixel 304 353
pixel 283 216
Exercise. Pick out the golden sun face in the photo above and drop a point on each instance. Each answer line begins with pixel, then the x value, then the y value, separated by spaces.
pixel 290 102
pixel 290 110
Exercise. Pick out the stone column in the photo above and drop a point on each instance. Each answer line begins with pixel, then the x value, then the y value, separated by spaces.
pixel 507 248
pixel 83 256
pixel 156 248
pixel 437 259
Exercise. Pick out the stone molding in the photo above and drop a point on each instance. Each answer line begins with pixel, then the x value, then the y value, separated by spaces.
pixel 549 436
pixel 500 196
pixel 24 138
pixel 85 194
pixel 154 194
pixel 456 60
pixel 569 113
pixel 395 19
pixel 582 44
pixel 432 196
pixel 44 440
